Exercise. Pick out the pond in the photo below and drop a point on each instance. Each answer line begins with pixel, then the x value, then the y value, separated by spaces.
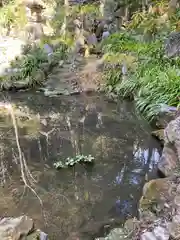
pixel 81 202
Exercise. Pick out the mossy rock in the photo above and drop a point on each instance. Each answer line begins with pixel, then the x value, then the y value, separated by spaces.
pixel 33 236
pixel 159 134
pixel 154 192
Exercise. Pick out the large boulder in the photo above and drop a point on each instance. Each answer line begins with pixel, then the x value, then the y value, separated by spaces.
pixel 14 228
pixel 154 192
pixel 170 159
pixel 172 45
pixel 20 228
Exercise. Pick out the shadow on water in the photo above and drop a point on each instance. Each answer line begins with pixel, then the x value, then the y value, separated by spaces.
pixel 80 202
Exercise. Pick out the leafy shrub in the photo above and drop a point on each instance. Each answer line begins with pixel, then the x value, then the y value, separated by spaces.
pixel 31 65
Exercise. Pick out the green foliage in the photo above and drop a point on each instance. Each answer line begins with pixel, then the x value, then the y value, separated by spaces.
pixel 152 22
pixel 154 81
pixel 31 65
pixel 12 15
pixel 88 9
pixel 69 162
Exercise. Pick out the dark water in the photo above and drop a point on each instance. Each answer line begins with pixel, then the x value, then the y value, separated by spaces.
pixel 84 201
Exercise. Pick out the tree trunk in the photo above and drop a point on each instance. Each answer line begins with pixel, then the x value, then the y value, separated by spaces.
pixel 64 26
pixel 101 7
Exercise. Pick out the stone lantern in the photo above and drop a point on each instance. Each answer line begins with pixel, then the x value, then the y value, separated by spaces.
pixel 34 10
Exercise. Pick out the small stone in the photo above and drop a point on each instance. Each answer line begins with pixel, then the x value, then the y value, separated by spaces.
pixel 178 189
pixel 148 236
pixel 176 219
pixel 166 205
pixel 159 134
pixel 177 201
pixel 161 233
pixel 178 211
pixel 61 63
pixel 174 230
pixel 131 224
pixel 117 233
pixel 168 162
pixel 147 215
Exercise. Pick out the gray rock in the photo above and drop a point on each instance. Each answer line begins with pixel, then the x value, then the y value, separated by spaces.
pixel 176 219
pixel 148 236
pixel 43 236
pixel 172 46
pixel 171 153
pixel 115 234
pixel 174 230
pixel 168 162
pixel 167 108
pixel 14 228
pixel 161 233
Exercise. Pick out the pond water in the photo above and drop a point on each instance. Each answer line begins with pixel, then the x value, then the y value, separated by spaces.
pixel 83 201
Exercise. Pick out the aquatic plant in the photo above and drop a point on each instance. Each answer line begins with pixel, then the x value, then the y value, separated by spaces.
pixel 71 161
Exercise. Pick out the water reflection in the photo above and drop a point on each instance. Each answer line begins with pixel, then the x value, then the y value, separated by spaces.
pixel 80 200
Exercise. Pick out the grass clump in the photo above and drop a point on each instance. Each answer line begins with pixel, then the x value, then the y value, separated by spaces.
pixel 32 67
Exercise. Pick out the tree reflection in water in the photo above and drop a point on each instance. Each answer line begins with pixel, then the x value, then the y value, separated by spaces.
pixel 80 199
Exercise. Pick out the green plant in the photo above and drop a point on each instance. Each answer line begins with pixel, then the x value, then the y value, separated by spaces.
pixel 155 80
pixel 69 162
pixel 30 66
pixel 12 15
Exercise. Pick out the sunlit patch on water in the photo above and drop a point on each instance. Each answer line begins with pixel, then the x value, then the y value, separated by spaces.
pixel 77 201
